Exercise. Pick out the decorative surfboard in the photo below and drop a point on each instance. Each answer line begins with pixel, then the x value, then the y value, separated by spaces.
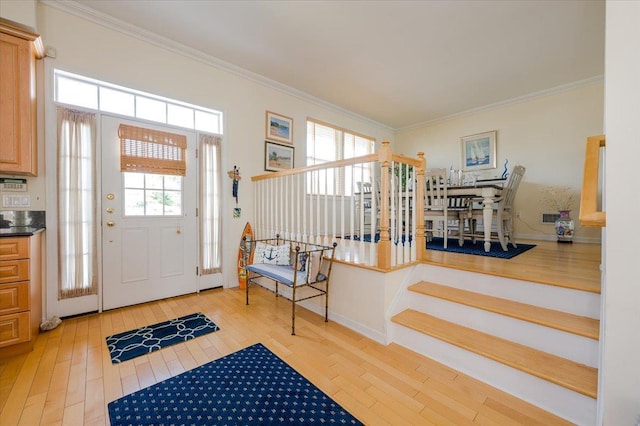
pixel 242 272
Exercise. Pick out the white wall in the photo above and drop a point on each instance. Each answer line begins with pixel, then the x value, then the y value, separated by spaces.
pixel 89 49
pixel 546 134
pixel 21 11
pixel 620 375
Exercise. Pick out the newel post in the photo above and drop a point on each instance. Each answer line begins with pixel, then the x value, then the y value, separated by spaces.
pixel 421 242
pixel 384 245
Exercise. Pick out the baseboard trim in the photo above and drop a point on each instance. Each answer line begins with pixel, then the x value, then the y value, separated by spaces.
pixel 369 332
pixel 540 237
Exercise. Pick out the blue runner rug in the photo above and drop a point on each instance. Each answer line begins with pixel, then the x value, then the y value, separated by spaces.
pixel 251 386
pixel 131 344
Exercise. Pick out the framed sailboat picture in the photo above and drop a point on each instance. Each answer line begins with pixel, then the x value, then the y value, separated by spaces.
pixel 479 151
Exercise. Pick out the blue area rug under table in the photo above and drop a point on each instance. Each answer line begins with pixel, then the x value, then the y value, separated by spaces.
pixel 468 247
pixel 250 387
pixel 131 344
pixel 477 248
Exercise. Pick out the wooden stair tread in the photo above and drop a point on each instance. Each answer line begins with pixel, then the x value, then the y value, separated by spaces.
pixel 582 326
pixel 561 371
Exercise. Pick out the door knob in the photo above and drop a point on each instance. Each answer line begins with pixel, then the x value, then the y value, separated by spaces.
pixel 110 223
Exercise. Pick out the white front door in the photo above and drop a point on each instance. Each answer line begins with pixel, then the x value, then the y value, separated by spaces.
pixel 149 241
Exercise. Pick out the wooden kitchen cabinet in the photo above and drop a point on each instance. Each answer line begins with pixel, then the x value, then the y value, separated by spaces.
pixel 19 49
pixel 20 293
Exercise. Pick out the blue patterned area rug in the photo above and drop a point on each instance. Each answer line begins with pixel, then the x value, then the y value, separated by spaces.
pixel 130 344
pixel 249 387
pixel 477 248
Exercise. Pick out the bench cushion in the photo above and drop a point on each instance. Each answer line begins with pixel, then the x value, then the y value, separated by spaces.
pixel 281 273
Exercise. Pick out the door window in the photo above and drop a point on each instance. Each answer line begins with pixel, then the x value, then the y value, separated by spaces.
pixel 147 194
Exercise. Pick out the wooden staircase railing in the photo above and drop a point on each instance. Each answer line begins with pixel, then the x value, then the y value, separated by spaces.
pixel 589 213
pixel 321 204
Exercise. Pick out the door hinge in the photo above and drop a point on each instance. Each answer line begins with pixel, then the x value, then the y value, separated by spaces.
pixel 196 152
pixel 197 270
pixel 196 212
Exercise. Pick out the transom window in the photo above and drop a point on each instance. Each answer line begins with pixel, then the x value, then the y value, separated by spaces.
pixel 326 143
pixel 98 95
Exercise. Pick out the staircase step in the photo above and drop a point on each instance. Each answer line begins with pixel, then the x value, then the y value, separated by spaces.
pixel 581 326
pixel 561 371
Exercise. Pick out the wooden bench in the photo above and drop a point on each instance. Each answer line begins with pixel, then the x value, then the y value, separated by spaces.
pixel 294 270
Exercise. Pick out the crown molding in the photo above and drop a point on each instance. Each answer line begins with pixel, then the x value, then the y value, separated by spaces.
pixel 517 100
pixel 77 9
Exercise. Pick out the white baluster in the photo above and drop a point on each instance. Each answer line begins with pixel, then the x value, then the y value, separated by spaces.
pixel 326 208
pixel 304 206
pixel 299 191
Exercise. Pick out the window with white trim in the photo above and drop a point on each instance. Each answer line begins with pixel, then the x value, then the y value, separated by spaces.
pixel 326 143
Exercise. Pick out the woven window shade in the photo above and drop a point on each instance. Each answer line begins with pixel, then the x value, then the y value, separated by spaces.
pixel 151 151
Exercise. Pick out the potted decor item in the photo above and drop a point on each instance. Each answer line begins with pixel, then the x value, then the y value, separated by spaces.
pixel 560 199
pixel 564 227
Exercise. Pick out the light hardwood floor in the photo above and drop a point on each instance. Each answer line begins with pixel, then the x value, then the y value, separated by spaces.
pixel 575 266
pixel 69 378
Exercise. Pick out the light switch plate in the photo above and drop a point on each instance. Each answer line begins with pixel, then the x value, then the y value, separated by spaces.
pixel 16 200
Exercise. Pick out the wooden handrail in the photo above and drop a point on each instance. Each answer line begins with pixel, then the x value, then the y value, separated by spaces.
pixel 369 158
pixel 589 214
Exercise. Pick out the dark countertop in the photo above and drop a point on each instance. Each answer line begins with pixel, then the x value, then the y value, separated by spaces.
pixel 21 223
pixel 20 231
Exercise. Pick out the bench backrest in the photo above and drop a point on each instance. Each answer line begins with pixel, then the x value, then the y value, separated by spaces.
pixel 314 259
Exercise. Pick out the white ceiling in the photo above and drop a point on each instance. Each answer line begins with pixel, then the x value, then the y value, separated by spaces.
pixel 399 63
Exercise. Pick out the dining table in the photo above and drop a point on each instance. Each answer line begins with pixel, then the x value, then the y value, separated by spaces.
pixel 486 192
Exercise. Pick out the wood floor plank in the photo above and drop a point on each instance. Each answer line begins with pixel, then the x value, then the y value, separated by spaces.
pixel 94 402
pixel 77 384
pixel 20 391
pixel 46 363
pixel 539 418
pixel 454 405
pixel 158 366
pixel 112 385
pixel 73 415
pixel 480 391
pixel 32 411
pixel 145 375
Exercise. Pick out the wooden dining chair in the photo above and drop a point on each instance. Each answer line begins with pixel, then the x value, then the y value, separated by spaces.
pixel 438 207
pixel 503 211
pixel 364 204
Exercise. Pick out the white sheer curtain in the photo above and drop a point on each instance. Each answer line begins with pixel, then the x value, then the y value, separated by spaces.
pixel 77 253
pixel 210 204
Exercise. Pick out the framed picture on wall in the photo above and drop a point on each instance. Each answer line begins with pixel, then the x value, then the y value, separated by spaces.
pixel 478 151
pixel 277 157
pixel 279 128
